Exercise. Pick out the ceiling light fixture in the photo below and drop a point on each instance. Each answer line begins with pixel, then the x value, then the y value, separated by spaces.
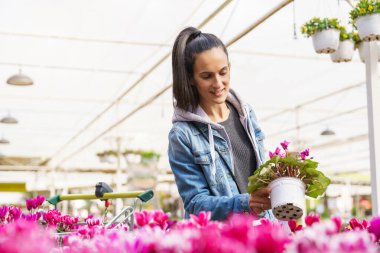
pixel 20 79
pixel 9 120
pixel 327 131
pixel 4 141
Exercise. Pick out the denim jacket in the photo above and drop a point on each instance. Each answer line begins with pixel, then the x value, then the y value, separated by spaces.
pixel 201 159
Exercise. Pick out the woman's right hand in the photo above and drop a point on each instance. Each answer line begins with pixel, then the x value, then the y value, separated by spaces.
pixel 259 200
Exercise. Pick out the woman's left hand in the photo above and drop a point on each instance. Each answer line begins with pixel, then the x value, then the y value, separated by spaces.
pixel 259 200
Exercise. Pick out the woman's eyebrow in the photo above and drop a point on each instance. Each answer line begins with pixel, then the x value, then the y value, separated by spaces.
pixel 210 72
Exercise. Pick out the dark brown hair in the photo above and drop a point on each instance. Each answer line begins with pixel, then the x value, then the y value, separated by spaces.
pixel 187 45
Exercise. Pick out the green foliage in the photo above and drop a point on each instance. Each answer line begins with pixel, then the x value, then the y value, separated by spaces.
pixel 107 153
pixel 317 25
pixel 356 38
pixel 290 165
pixel 344 35
pixel 145 154
pixel 364 7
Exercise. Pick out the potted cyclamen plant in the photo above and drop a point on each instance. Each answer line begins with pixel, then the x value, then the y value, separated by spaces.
pixel 366 17
pixel 324 32
pixel 362 48
pixel 291 176
pixel 346 47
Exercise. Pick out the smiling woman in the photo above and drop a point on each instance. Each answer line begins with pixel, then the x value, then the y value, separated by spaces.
pixel 215 143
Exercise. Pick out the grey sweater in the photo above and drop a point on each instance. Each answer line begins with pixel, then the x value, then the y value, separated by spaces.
pixel 242 149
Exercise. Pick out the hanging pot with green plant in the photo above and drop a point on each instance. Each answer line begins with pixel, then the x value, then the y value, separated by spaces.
pixel 346 47
pixel 325 34
pixel 366 17
pixel 363 47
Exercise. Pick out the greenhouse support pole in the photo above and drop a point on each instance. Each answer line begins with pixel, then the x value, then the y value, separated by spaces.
pixel 373 108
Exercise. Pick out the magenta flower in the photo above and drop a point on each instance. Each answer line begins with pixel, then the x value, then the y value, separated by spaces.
pixel 338 223
pixel 30 203
pixel 374 227
pixel 31 216
pixel 23 236
pixel 293 226
pixel 143 218
pixel 92 222
pixel 304 154
pixel 277 152
pixel 3 212
pixel 14 213
pixel 284 145
pixel 311 219
pixel 355 224
pixel 160 218
pixel 270 238
pixel 202 219
pixel 40 200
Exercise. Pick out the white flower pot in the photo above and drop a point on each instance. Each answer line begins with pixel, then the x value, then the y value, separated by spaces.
pixel 369 27
pixel 326 41
pixel 344 52
pixel 363 51
pixel 287 198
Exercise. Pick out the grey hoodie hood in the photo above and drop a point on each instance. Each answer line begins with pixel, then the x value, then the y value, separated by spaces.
pixel 200 116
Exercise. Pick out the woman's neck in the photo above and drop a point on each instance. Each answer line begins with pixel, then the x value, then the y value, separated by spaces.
pixel 217 112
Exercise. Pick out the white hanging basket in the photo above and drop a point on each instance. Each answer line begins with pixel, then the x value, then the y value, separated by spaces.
pixel 363 51
pixel 369 27
pixel 344 52
pixel 326 41
pixel 287 198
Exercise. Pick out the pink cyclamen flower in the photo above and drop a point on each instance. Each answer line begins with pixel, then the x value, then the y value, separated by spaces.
pixel 3 212
pixel 277 152
pixel 143 218
pixel 92 222
pixel 202 219
pixel 14 213
pixel 355 224
pixel 374 227
pixel 30 203
pixel 285 145
pixel 304 154
pixel 293 226
pixel 338 223
pixel 40 200
pixel 160 218
pixel 312 218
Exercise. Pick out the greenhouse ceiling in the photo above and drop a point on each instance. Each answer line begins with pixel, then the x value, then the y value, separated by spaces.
pixel 92 64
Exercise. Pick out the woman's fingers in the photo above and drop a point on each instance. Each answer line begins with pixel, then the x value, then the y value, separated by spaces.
pixel 261 206
pixel 260 201
pixel 265 192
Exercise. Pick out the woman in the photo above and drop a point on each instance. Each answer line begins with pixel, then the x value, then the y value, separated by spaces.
pixel 215 143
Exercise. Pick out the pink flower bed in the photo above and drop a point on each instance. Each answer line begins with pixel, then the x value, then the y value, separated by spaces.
pixel 155 232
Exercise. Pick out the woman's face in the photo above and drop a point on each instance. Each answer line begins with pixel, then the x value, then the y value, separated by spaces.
pixel 212 76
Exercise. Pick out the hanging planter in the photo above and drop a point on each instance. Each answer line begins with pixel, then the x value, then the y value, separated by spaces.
pixel 366 17
pixel 325 34
pixel 363 51
pixel 362 48
pixel 346 47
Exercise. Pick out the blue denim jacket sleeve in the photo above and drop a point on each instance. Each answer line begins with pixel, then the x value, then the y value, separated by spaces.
pixel 192 184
